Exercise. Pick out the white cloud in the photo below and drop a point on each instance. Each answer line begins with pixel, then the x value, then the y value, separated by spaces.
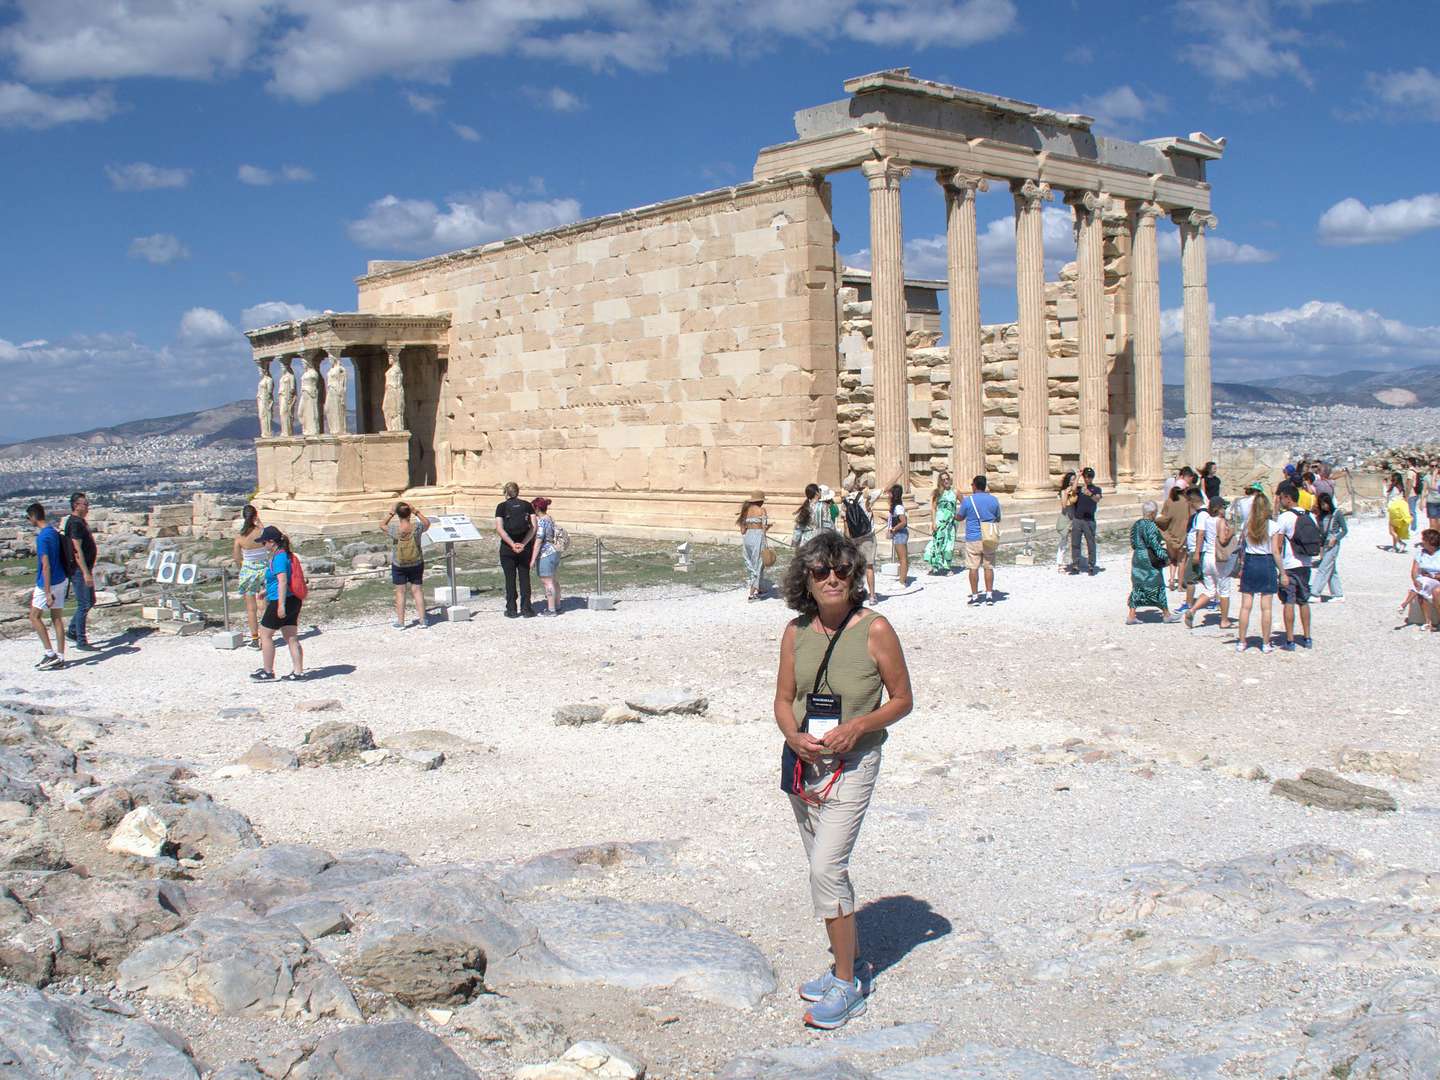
pixel 202 326
pixel 1120 109
pixel 1318 336
pixel 419 226
pixel 1352 222
pixel 925 256
pixel 158 249
pixel 317 47
pixel 466 132
pixel 256 176
pixel 22 107
pixel 1241 39
pixel 919 25
pixel 555 98
pixel 1218 249
pixel 425 104
pixel 142 176
pixel 1415 91
pixel 57 40
pixel 270 312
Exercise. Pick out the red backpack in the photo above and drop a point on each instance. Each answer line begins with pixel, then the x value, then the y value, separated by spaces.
pixel 298 588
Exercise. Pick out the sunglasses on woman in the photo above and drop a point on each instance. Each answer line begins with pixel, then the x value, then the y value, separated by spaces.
pixel 840 570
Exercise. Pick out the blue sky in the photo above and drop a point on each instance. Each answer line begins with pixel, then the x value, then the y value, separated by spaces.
pixel 175 170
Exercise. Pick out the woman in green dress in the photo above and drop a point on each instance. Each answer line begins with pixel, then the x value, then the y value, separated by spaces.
pixel 940 552
pixel 1148 560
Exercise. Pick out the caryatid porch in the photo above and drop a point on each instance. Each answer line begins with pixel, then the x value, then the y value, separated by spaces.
pixel 307 452
pixel 894 123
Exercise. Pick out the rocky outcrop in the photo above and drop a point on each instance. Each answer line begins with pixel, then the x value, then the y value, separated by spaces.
pixel 43 1035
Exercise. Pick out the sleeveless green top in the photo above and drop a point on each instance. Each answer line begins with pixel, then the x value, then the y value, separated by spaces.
pixel 852 673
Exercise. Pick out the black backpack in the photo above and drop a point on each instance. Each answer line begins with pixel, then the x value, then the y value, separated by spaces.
pixel 1305 539
pixel 858 522
pixel 516 521
pixel 67 548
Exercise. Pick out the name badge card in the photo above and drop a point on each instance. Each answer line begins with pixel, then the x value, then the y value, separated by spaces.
pixel 822 714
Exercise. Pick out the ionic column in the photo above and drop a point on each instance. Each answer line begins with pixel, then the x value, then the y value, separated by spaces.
pixel 967 405
pixel 1030 197
pixel 1193 224
pixel 1149 380
pixel 887 313
pixel 1094 373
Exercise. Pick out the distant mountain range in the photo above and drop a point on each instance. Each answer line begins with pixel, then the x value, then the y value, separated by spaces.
pixel 235 424
pixel 1412 387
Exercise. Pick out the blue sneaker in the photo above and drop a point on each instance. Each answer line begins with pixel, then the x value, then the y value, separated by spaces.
pixel 1287 646
pixel 1182 609
pixel 1305 643
pixel 842 1002
pixel 815 989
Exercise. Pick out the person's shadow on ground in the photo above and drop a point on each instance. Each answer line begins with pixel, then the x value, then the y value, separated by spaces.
pixel 106 652
pixel 329 671
pixel 893 925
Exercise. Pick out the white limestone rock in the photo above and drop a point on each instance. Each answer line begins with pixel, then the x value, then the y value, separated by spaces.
pixel 141 832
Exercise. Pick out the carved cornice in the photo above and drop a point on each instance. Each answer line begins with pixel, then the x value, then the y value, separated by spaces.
pixel 884 172
pixel 1031 192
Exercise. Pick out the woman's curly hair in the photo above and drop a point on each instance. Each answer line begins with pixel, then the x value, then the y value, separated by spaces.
pixel 829 547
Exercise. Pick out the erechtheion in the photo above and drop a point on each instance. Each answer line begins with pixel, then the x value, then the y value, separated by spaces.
pixel 649 368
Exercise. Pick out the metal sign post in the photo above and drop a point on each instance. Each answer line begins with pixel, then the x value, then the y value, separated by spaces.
pixel 451 529
pixel 600 602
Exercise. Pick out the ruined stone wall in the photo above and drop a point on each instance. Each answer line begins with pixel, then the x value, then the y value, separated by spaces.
pixel 646 369
pixel 929 380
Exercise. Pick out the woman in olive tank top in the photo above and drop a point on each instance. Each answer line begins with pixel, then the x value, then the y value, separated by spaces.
pixel 833 714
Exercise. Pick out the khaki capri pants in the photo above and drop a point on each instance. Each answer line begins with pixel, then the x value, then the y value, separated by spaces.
pixel 828 831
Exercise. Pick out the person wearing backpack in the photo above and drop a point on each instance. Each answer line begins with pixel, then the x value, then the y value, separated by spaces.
pixel 546 556
pixel 515 525
pixel 859 518
pixel 981 513
pixel 80 548
pixel 1297 541
pixel 284 592
pixel 405 525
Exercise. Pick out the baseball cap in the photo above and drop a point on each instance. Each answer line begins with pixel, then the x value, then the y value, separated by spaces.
pixel 270 534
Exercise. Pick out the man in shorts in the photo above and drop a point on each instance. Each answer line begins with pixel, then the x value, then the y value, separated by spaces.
pixel 978 509
pixel 859 514
pixel 51 588
pixel 1295 577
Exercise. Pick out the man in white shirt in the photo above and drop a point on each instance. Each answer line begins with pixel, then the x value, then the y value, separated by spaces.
pixel 1295 577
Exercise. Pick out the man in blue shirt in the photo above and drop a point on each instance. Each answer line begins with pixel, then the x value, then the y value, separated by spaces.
pixel 51 587
pixel 981 513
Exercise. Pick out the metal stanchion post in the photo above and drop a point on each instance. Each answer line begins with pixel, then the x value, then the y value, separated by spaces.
pixel 227 639
pixel 600 602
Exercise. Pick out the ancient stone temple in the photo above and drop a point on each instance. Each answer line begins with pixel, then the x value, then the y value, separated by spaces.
pixel 650 368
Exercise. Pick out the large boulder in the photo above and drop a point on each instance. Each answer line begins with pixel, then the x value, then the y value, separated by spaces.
pixel 235 967
pixel 53 1036
pixel 28 843
pixel 421 968
pixel 56 925
pixel 669 702
pixel 1322 788
pixel 335 740
pixel 381 1052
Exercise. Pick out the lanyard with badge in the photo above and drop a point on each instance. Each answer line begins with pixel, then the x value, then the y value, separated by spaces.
pixel 822 715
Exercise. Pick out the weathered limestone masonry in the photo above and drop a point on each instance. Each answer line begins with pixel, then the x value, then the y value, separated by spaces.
pixel 650 368
pixel 930 382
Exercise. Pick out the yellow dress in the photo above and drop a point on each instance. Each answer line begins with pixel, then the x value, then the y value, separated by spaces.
pixel 1399 514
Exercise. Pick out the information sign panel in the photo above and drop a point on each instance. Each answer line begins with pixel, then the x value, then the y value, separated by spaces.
pixel 450 529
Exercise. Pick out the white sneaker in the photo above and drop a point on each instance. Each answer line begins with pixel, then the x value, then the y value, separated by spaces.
pixel 1336 600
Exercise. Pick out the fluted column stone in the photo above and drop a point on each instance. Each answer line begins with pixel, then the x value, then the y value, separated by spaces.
pixel 1094 370
pixel 1034 475
pixel 887 313
pixel 1195 276
pixel 967 404
pixel 1149 377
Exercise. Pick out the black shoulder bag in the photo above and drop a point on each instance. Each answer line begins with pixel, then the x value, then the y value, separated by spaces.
pixel 792 769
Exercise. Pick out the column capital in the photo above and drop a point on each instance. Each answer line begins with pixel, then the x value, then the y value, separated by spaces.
pixel 334 352
pixel 1031 192
pixel 392 353
pixel 1092 202
pixel 1196 219
pixel 884 172
pixel 953 179
pixel 1146 209
pixel 263 363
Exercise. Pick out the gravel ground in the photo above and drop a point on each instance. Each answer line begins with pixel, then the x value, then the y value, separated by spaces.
pixel 986 855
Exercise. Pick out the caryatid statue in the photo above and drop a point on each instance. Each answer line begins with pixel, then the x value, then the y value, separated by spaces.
pixel 287 399
pixel 337 397
pixel 393 403
pixel 265 400
pixel 310 396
